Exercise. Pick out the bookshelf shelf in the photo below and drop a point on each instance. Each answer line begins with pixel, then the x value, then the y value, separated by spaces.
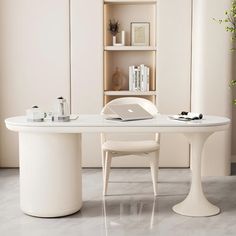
pixel 130 2
pixel 129 93
pixel 130 48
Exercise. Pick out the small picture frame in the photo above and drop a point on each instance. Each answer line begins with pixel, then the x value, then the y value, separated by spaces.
pixel 140 33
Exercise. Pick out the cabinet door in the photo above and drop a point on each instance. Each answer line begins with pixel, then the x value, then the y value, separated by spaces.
pixel 211 74
pixel 87 69
pixel 34 62
pixel 173 74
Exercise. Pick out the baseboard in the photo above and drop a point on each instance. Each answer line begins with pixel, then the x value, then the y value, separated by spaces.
pixel 233 159
pixel 5 167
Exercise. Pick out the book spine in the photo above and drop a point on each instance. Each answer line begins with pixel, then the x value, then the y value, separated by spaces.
pixel 148 73
pixel 130 78
pixel 142 88
pixel 145 78
pixel 138 79
pixel 135 81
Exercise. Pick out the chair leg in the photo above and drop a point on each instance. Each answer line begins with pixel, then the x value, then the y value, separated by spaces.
pixel 106 172
pixel 154 165
pixel 103 163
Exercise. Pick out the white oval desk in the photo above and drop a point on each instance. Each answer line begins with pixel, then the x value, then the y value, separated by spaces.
pixel 50 160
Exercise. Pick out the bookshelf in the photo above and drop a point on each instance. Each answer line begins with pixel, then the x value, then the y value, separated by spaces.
pixel 129 93
pixel 129 48
pixel 127 11
pixel 129 2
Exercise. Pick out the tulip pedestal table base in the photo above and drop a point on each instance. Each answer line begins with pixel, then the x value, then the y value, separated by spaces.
pixel 196 203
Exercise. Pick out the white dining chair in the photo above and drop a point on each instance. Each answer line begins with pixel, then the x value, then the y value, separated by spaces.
pixel 115 148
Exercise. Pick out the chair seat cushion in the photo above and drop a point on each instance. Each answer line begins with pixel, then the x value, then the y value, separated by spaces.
pixel 130 146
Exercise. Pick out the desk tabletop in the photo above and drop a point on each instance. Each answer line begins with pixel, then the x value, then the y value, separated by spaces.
pixel 97 123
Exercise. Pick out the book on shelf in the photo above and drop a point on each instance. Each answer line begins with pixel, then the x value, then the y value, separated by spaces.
pixel 139 78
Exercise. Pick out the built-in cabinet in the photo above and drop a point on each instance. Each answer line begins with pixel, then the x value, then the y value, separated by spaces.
pixel 174 73
pixel 94 60
pixel 61 47
pixel 69 53
pixel 87 69
pixel 34 62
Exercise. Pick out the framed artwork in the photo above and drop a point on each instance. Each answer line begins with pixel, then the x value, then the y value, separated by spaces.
pixel 140 33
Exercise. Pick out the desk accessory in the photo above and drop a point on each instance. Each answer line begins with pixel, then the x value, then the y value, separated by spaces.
pixel 62 110
pixel 34 114
pixel 187 116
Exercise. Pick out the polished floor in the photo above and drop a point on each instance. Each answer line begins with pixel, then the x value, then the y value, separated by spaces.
pixel 130 209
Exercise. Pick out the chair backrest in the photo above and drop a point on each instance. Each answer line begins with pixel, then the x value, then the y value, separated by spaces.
pixel 146 104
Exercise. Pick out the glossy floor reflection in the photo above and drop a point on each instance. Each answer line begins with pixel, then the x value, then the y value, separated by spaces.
pixel 130 209
pixel 122 215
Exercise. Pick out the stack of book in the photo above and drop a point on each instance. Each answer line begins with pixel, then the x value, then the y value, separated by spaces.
pixel 139 78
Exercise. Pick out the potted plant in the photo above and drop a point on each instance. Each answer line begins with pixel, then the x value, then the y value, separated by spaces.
pixel 114 27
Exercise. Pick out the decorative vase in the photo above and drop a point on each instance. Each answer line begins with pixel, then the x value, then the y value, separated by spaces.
pixel 113 40
pixel 122 39
pixel 117 80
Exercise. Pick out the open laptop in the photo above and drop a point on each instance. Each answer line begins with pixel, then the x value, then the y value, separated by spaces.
pixel 127 112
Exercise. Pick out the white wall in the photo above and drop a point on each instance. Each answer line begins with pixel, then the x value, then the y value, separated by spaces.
pixel 211 73
pixel 174 73
pixel 34 62
pixel 87 69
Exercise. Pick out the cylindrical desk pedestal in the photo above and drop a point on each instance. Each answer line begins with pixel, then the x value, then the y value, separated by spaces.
pixel 50 173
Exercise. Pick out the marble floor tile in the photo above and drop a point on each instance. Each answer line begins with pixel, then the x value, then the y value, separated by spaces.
pixel 129 209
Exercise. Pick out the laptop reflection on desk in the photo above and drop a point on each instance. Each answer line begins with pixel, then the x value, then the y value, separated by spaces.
pixel 128 112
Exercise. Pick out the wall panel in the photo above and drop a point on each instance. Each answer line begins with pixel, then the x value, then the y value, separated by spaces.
pixel 34 62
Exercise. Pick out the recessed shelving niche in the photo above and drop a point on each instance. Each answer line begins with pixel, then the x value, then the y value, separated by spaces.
pixel 127 11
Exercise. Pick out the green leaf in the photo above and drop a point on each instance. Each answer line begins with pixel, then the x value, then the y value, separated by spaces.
pixel 232 83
